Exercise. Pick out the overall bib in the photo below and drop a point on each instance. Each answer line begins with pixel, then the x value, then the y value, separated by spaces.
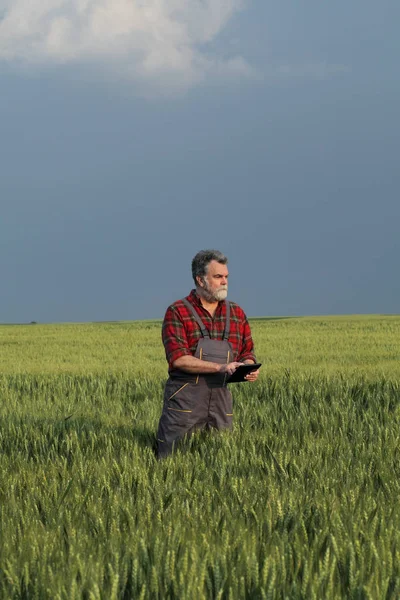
pixel 193 402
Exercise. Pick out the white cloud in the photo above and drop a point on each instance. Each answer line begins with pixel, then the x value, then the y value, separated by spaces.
pixel 161 42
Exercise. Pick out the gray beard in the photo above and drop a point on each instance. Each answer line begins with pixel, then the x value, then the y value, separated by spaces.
pixel 210 296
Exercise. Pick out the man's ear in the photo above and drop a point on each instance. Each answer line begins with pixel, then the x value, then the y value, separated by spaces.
pixel 200 281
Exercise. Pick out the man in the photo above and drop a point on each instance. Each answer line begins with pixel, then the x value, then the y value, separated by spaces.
pixel 206 338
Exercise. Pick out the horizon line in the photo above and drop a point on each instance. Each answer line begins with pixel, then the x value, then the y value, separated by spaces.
pixel 160 319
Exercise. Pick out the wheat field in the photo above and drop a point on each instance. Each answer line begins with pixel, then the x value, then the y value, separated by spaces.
pixel 300 500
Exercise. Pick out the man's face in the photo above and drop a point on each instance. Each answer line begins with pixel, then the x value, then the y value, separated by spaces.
pixel 215 283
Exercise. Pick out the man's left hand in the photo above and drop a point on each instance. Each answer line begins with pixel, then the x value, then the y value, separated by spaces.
pixel 252 376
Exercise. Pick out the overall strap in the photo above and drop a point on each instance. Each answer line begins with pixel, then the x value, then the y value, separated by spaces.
pixel 228 320
pixel 200 323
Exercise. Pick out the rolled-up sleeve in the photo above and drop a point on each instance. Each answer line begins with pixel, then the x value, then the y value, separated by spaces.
pixel 246 352
pixel 174 337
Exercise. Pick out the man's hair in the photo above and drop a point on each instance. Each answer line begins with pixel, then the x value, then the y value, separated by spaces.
pixel 203 259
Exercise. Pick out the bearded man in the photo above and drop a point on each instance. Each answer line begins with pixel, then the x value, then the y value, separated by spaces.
pixel 206 338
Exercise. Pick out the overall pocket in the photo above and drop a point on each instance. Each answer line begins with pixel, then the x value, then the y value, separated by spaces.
pixel 178 397
pixel 221 359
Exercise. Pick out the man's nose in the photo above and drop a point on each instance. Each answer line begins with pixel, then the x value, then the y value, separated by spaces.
pixel 224 281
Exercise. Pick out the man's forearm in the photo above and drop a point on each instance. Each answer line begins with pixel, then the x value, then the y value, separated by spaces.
pixel 191 364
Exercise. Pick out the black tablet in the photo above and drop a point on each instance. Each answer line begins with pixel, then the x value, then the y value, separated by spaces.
pixel 241 372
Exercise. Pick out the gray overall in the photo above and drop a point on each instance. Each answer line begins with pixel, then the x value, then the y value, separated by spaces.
pixel 193 402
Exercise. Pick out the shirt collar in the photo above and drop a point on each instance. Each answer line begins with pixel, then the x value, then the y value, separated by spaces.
pixel 194 298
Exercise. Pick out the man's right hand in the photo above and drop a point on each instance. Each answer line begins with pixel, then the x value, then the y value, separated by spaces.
pixel 230 368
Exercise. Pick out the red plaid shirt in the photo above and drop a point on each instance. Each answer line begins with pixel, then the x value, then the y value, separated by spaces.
pixel 181 333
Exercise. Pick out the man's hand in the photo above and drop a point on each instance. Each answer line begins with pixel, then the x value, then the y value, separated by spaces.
pixel 252 376
pixel 230 368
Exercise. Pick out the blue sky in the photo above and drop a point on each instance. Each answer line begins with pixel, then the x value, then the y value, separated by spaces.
pixel 134 134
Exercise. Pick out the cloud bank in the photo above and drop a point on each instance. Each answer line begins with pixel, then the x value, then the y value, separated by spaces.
pixel 152 40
